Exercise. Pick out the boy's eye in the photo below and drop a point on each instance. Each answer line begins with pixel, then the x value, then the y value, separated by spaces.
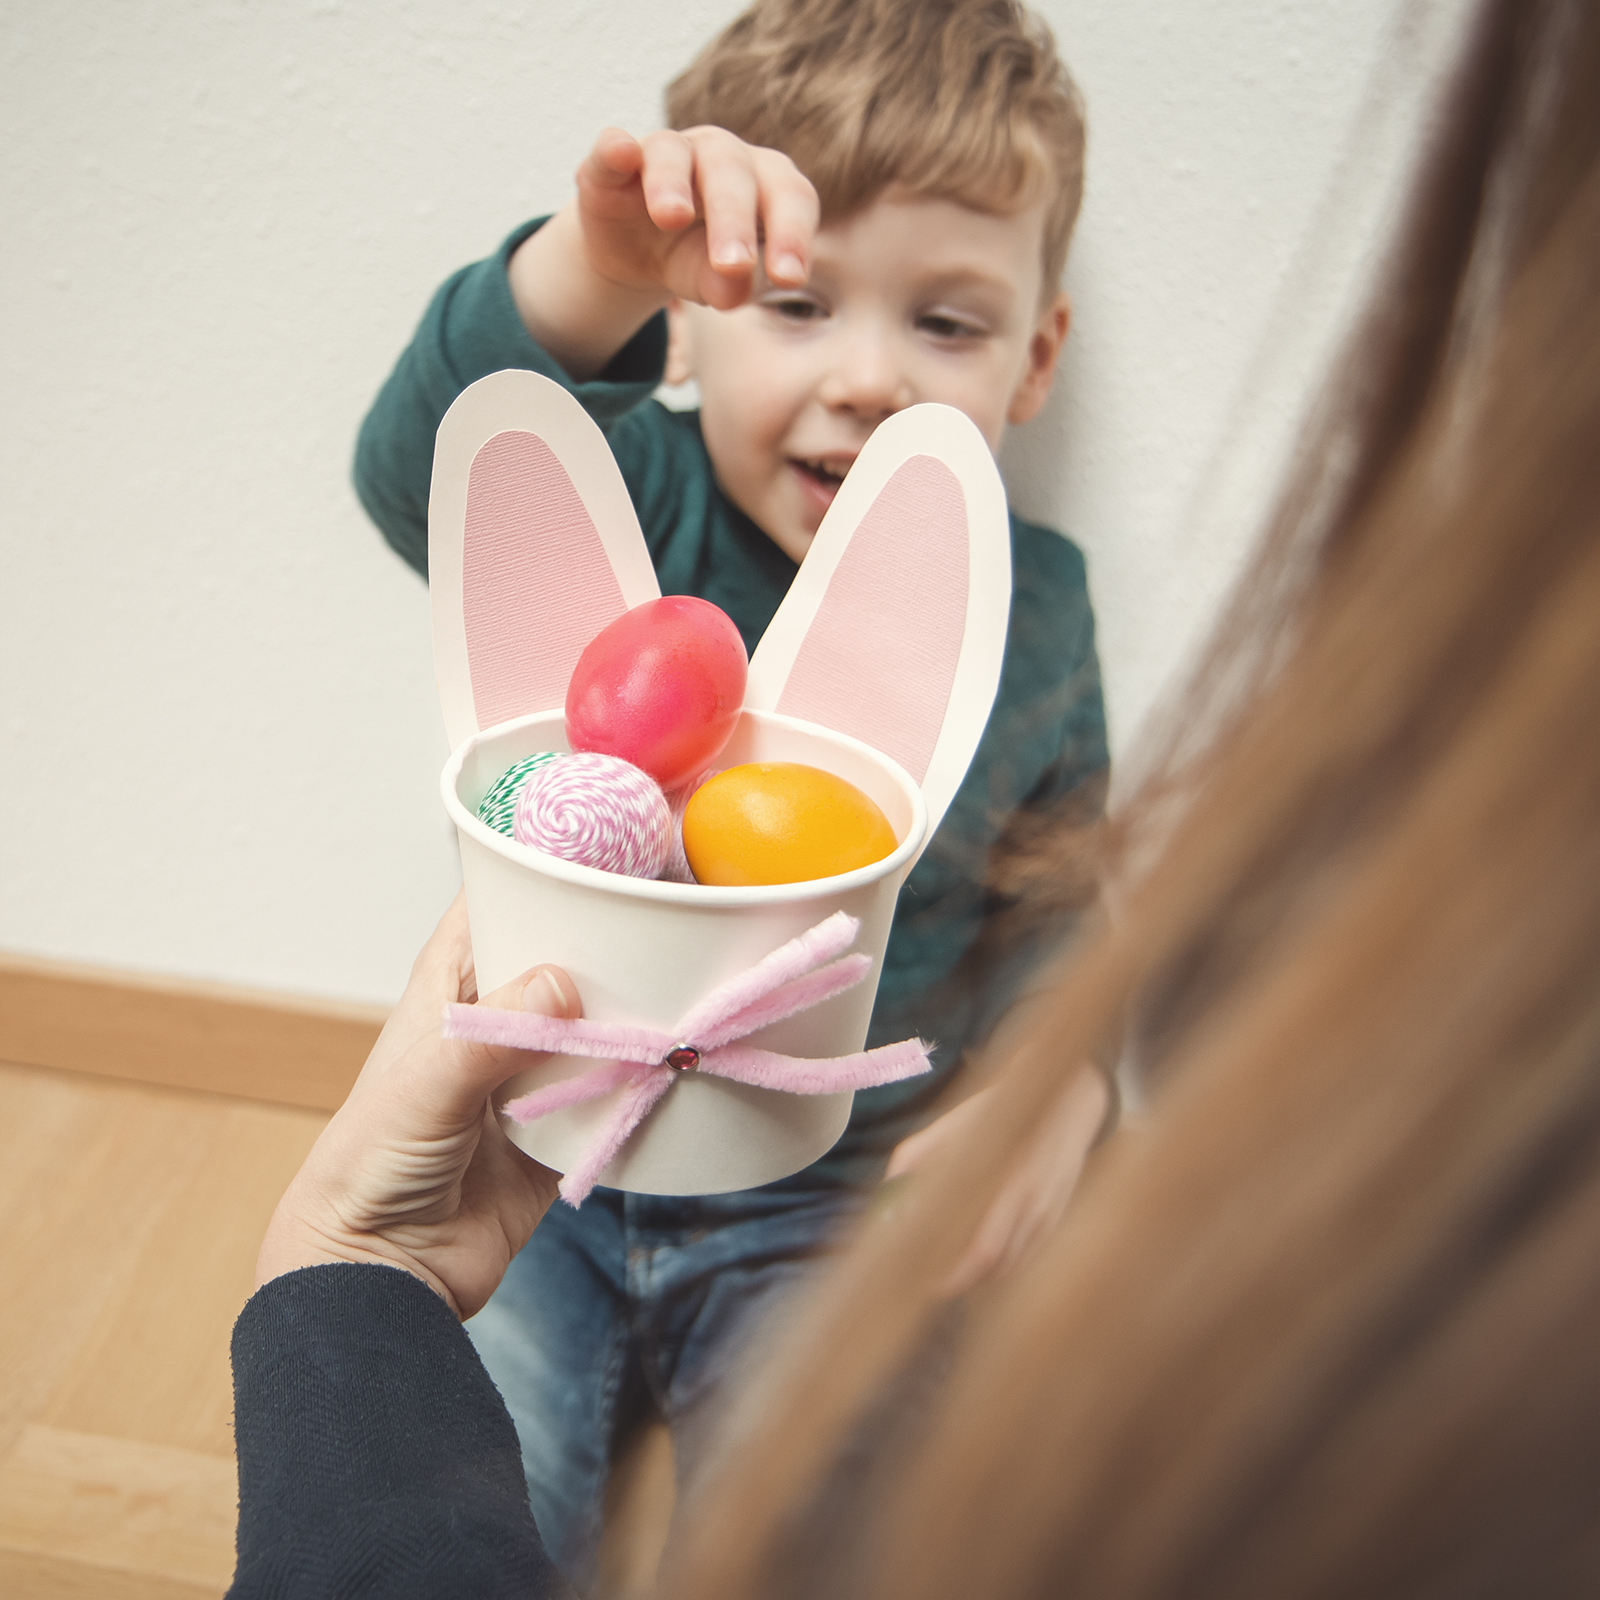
pixel 795 307
pixel 941 325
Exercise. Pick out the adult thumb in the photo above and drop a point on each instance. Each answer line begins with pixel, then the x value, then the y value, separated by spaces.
pixel 474 1068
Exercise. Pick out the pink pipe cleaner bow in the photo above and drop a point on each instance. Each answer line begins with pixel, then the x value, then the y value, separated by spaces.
pixel 644 1062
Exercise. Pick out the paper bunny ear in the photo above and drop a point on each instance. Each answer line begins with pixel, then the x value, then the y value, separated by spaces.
pixel 895 628
pixel 533 547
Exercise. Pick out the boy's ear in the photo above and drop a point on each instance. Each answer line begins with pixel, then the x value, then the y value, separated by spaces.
pixel 1044 350
pixel 680 352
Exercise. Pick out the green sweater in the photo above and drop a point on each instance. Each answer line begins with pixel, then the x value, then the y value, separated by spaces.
pixel 950 968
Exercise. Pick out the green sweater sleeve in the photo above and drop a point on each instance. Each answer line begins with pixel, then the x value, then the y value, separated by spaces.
pixel 470 329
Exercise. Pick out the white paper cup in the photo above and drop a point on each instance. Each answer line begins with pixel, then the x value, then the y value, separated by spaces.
pixel 644 952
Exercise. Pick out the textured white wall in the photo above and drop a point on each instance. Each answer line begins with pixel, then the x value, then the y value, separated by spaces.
pixel 221 742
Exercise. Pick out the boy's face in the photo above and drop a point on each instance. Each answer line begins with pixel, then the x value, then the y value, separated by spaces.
pixel 909 300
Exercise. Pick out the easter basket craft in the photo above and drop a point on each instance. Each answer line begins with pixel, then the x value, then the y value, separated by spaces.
pixel 723 1026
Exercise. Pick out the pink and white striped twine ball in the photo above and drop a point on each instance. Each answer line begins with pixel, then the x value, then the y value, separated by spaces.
pixel 599 811
pixel 675 869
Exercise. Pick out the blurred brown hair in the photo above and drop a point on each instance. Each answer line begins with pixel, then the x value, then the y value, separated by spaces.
pixel 1325 1324
pixel 949 99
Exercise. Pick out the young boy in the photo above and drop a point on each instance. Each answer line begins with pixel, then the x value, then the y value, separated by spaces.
pixel 939 145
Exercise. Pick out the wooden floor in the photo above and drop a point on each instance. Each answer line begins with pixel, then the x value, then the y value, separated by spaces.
pixel 129 1221
pixel 130 1216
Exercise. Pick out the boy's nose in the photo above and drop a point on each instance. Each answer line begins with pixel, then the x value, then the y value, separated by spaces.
pixel 867 379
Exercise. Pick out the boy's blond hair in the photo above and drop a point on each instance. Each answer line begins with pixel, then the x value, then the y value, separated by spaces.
pixel 952 99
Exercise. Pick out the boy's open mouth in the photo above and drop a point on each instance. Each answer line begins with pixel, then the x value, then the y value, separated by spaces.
pixel 821 478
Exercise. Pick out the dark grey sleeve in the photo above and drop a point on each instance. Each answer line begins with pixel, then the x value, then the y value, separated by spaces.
pixel 375 1455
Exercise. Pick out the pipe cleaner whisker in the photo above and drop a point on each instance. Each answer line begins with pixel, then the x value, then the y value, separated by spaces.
pixel 765 1069
pixel 571 1091
pixel 637 1102
pixel 830 937
pixel 799 994
pixel 528 1030
pixel 639 1064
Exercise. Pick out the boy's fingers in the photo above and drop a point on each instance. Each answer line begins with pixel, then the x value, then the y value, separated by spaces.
pixel 789 213
pixel 945 1132
pixel 667 175
pixel 729 197
pixel 914 1151
pixel 998 1238
pixel 614 161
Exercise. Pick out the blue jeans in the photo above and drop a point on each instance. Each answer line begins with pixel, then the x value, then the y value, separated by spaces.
pixel 633 1303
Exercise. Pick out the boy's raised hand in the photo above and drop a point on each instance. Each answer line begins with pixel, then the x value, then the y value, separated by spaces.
pixel 687 213
pixel 675 215
pixel 1044 1174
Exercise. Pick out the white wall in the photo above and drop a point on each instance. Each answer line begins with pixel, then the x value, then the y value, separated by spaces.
pixel 222 220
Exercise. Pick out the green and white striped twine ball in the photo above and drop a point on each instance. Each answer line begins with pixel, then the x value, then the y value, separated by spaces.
pixel 498 808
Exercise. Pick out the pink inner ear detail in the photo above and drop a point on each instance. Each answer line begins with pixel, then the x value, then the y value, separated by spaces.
pixel 536 583
pixel 879 660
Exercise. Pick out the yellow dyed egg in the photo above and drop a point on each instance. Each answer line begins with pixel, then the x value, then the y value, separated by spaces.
pixel 781 822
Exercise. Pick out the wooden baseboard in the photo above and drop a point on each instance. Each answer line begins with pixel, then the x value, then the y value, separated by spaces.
pixel 220 1039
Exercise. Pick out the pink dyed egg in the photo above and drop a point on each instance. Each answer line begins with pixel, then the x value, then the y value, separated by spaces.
pixel 660 687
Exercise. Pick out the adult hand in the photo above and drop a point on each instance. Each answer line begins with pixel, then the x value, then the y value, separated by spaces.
pixel 686 212
pixel 415 1170
pixel 1035 1196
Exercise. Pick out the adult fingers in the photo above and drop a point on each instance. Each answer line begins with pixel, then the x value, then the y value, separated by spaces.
pixel 520 1188
pixel 418 1084
pixel 449 953
pixel 443 971
pixel 455 1075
